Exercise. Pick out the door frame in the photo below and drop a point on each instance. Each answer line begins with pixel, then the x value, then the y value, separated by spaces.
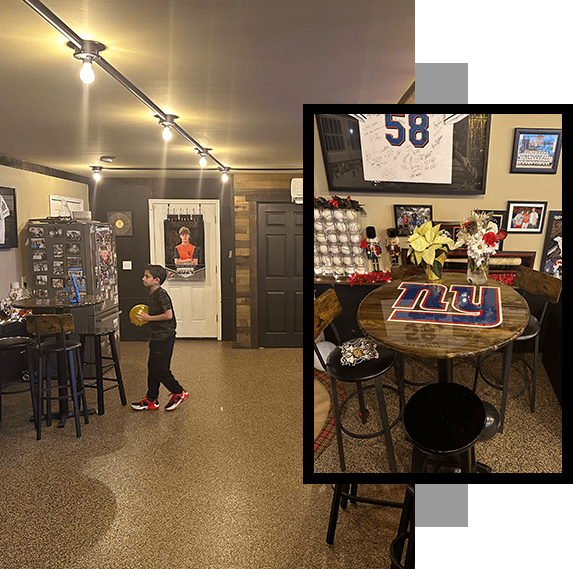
pixel 257 296
pixel 217 280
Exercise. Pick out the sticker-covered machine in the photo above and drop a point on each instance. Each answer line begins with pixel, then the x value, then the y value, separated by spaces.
pixel 70 258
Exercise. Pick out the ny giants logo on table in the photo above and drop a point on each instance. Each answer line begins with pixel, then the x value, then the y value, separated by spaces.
pixel 474 306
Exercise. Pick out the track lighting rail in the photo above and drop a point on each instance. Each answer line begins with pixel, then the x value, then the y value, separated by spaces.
pixel 80 45
pixel 50 17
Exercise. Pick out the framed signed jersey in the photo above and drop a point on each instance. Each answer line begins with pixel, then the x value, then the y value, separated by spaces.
pixel 407 148
pixel 405 153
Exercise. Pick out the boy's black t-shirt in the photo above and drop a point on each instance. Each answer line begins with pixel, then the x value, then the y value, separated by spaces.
pixel 158 303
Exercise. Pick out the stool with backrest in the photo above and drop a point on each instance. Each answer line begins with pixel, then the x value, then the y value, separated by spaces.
pixel 50 331
pixel 549 289
pixel 326 309
pixel 10 347
pixel 101 369
pixel 343 493
pixel 444 421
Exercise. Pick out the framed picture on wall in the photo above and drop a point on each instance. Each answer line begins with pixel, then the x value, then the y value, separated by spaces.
pixel 371 155
pixel 525 217
pixel 551 259
pixel 121 222
pixel 8 221
pixel 536 151
pixel 408 217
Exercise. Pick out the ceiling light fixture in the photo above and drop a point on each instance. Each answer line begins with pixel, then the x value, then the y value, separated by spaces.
pixel 97 172
pixel 166 123
pixel 224 177
pixel 88 53
pixel 203 152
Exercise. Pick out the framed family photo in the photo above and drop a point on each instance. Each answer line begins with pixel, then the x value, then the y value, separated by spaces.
pixel 525 217
pixel 536 151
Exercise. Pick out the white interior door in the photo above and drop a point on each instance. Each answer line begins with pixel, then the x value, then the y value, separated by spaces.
pixel 197 304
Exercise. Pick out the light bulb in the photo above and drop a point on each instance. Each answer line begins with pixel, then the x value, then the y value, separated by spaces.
pixel 203 162
pixel 97 176
pixel 87 74
pixel 166 133
pixel 224 177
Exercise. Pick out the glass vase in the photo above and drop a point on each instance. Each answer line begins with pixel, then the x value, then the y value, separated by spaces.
pixel 478 273
pixel 431 276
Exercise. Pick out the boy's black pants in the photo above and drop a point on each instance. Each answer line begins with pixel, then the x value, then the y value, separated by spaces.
pixel 158 368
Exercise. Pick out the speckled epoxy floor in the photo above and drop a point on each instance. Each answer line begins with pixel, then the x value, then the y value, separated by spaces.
pixel 530 442
pixel 217 483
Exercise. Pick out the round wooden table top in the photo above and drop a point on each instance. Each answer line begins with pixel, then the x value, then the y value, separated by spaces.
pixel 59 302
pixel 446 320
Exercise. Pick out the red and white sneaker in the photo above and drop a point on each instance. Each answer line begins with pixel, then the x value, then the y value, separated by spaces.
pixel 145 405
pixel 175 400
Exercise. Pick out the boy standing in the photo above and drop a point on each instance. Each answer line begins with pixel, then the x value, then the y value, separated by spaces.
pixel 162 320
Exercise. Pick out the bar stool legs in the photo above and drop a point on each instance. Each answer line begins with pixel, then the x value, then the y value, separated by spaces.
pixel 16 345
pixel 76 381
pixel 406 531
pixel 338 489
pixel 100 369
pixel 69 369
pixel 386 431
pixel 343 493
pixel 385 423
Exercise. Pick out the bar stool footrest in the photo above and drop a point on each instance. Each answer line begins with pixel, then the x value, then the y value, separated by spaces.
pixel 371 435
pixel 499 386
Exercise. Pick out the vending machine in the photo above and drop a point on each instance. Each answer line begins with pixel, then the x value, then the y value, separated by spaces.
pixel 68 257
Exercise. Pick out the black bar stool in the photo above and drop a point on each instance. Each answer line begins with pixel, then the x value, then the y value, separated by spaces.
pixel 326 309
pixel 343 493
pixel 17 344
pixel 447 420
pixel 549 289
pixel 50 331
pixel 97 381
pixel 406 531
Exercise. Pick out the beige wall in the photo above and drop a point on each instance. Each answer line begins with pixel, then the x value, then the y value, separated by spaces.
pixel 32 201
pixel 501 186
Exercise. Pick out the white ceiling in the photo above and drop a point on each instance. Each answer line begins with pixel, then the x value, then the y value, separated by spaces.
pixel 236 72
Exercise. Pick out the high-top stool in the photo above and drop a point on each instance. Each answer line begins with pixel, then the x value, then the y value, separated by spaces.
pixel 101 369
pixel 406 531
pixel 326 308
pixel 343 493
pixel 489 431
pixel 444 419
pixel 50 331
pixel 549 289
pixel 17 344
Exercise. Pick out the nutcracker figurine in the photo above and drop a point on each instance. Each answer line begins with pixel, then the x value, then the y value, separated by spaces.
pixel 373 249
pixel 393 246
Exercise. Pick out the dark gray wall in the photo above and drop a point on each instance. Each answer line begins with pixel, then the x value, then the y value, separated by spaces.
pixel 132 194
